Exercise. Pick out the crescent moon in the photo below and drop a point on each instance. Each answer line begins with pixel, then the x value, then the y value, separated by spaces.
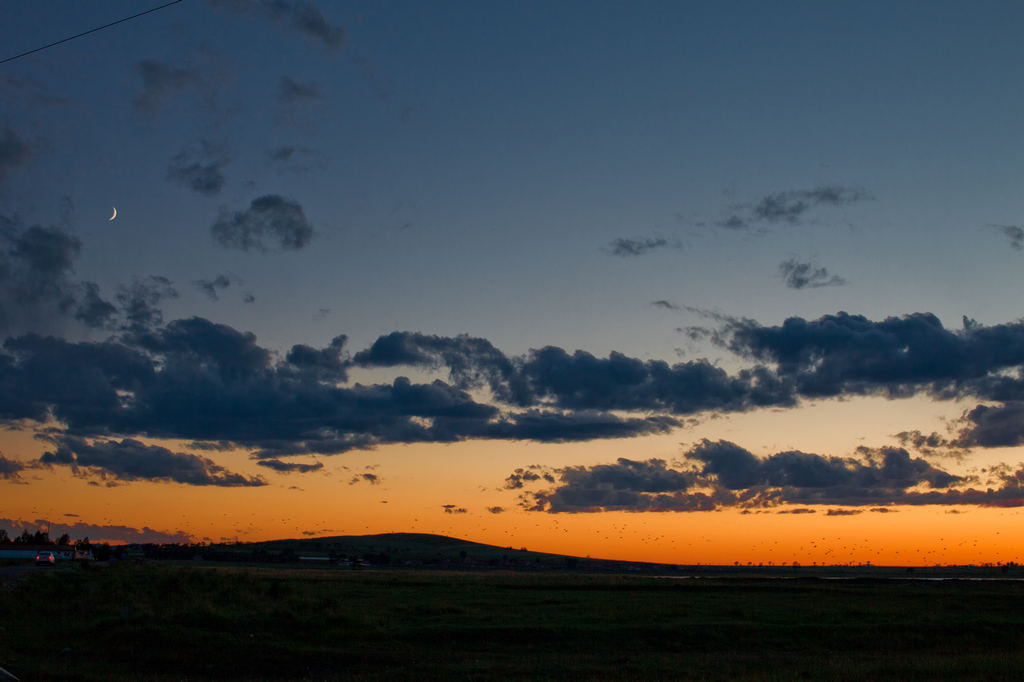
pixel 115 214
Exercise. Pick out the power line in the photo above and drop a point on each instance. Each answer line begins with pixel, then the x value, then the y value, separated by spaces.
pixel 119 21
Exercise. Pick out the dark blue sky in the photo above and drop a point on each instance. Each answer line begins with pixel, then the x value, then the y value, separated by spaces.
pixel 651 179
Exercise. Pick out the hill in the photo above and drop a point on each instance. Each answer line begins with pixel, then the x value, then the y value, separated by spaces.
pixel 400 548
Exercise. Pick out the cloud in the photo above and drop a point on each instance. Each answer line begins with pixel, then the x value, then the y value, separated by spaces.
pixel 132 460
pixel 196 380
pixel 934 444
pixel 14 152
pixel 627 485
pixel 453 509
pixel 581 381
pixel 304 18
pixel 807 275
pixel 270 219
pixel 520 476
pixel 35 285
pixel 997 426
pixel 637 247
pixel 883 469
pixel 287 157
pixel 199 381
pixel 102 533
pixel 281 154
pixel 160 80
pixel 471 361
pixel 293 92
pixel 372 479
pixel 199 169
pixel 496 510
pixel 289 467
pixel 209 287
pixel 791 206
pixel 140 302
pixel 565 427
pixel 899 356
pixel 10 470
pixel 1013 233
pixel 330 363
pixel 721 474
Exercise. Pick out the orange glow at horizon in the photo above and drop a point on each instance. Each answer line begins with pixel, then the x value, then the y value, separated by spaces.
pixel 424 488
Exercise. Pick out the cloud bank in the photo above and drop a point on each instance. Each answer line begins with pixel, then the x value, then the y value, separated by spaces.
pixel 719 475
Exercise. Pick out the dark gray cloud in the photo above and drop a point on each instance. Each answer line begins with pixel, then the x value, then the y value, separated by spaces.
pixel 372 479
pixel 209 287
pixel 564 427
pixel 1013 233
pixel 935 444
pixel 302 17
pixel 101 533
pixel 471 361
pixel 200 381
pixel 580 381
pixel 199 168
pixel 37 291
pixel 293 92
pixel 453 509
pixel 326 364
pixel 10 470
pixel 281 154
pixel 290 158
pixel 637 247
pixel 196 380
pixel 790 206
pixel 899 356
pixel 271 221
pixel 883 470
pixel 132 460
pixel 14 151
pixel 92 308
pixel 807 275
pixel 36 264
pixel 160 80
pixel 995 426
pixel 519 477
pixel 496 510
pixel 627 485
pixel 618 382
pixel 289 467
pixel 140 302
pixel 721 474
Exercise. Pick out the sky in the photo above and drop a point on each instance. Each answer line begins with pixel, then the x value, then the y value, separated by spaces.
pixel 682 282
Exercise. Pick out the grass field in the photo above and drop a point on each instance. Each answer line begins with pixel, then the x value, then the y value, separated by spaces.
pixel 204 622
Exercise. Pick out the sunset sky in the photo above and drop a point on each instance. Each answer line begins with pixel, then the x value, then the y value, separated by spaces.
pixel 685 282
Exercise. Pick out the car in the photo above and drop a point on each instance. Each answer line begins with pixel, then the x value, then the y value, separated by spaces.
pixel 45 559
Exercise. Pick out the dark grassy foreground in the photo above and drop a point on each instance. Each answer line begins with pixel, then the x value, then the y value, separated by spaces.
pixel 166 622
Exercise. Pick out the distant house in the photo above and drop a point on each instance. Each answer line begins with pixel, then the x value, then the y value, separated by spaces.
pixel 16 550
